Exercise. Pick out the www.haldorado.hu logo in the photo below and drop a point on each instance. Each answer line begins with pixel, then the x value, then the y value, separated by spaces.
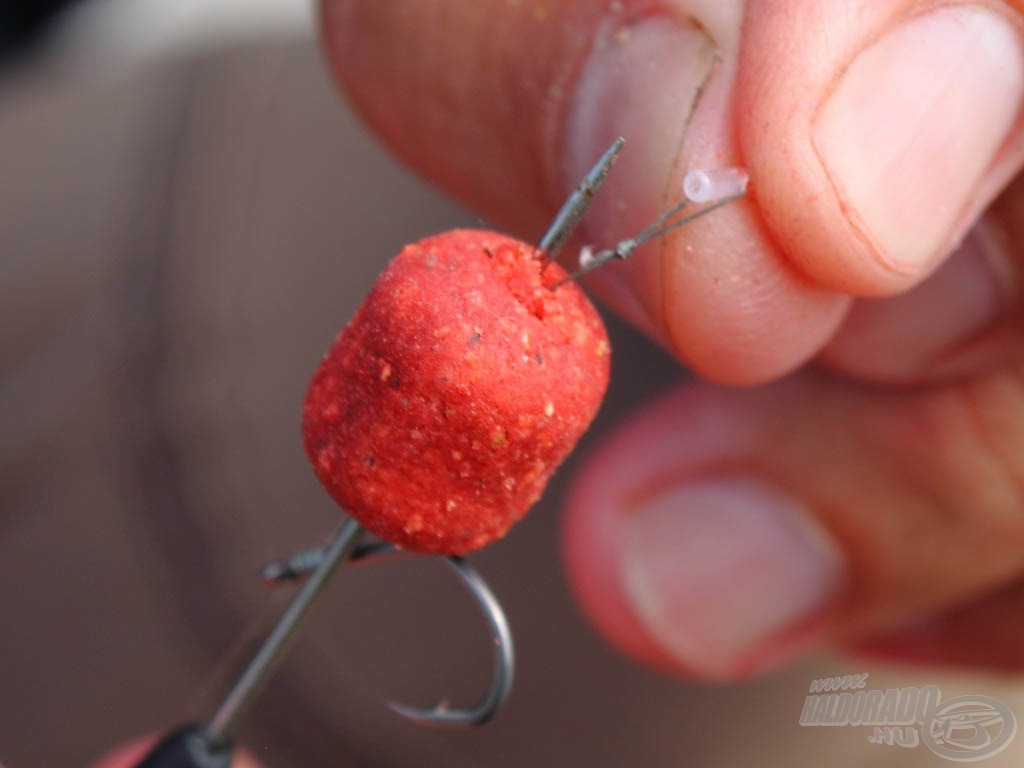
pixel 963 729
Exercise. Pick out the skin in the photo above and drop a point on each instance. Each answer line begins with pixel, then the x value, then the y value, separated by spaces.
pixel 886 397
pixel 128 755
pixel 831 343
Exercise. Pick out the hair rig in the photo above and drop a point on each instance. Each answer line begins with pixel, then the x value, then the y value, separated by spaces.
pixel 439 413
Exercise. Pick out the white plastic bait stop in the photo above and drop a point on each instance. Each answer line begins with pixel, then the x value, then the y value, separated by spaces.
pixel 708 189
pixel 586 256
pixel 710 186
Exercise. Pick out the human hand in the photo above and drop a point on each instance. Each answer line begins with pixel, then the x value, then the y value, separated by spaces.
pixel 128 755
pixel 878 505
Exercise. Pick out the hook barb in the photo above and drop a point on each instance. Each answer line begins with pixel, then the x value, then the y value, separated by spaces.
pixel 307 562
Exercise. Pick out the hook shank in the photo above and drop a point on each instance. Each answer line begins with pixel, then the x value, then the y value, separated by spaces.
pixel 271 654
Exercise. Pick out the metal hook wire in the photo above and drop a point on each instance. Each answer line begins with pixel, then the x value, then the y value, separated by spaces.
pixel 316 566
pixel 659 227
pixel 501 637
pixel 575 206
pixel 272 652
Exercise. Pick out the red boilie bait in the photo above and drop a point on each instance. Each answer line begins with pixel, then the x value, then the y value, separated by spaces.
pixel 463 381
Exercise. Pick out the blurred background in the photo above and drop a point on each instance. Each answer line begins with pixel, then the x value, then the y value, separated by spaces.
pixel 188 214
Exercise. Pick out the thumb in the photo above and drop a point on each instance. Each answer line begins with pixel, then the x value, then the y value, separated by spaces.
pixel 905 126
pixel 507 105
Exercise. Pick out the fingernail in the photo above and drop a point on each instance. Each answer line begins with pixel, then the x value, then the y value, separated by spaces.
pixel 716 569
pixel 914 123
pixel 639 81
